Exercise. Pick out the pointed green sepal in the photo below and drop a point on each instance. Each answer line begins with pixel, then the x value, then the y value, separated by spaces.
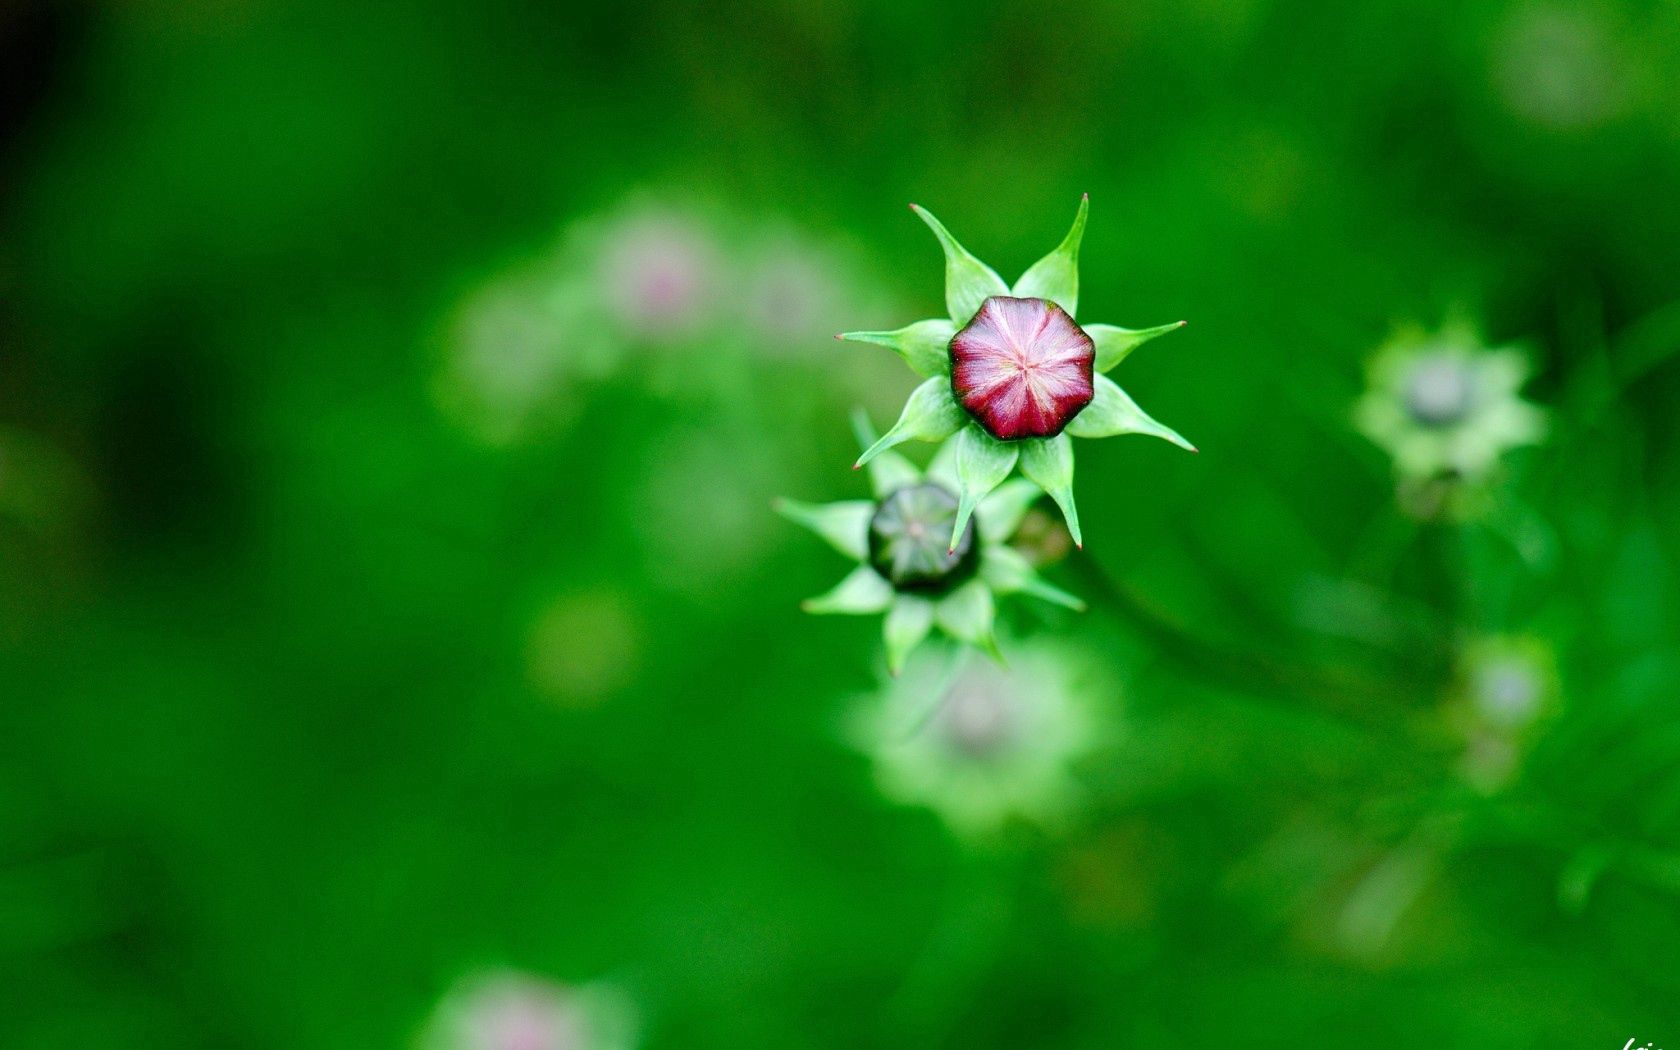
pixel 1007 571
pixel 968 281
pixel 844 525
pixel 982 463
pixel 907 623
pixel 1112 411
pixel 1114 344
pixel 1000 514
pixel 967 614
pixel 888 471
pixel 931 414
pixel 1049 465
pixel 1056 276
pixel 861 593
pixel 925 345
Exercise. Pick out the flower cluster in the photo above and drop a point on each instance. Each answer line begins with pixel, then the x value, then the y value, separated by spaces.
pixel 1010 377
pixel 1446 407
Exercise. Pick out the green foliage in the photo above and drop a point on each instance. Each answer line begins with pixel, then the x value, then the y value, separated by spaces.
pixel 392 402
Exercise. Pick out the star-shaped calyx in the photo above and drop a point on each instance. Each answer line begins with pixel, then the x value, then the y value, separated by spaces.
pixel 1011 376
pixel 905 564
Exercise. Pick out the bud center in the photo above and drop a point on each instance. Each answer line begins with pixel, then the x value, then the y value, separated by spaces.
pixel 909 540
pixel 980 716
pixel 1439 391
pixel 1022 368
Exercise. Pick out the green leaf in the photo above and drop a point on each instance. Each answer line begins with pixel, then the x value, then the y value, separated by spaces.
pixel 1007 571
pixel 861 593
pixel 925 345
pixel 1000 513
pixel 888 471
pixel 931 414
pixel 982 463
pixel 844 525
pixel 1056 276
pixel 907 623
pixel 1112 412
pixel 1048 463
pixel 967 614
pixel 1114 344
pixel 968 281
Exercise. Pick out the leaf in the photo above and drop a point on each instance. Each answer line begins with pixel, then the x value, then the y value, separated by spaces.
pixel 1056 276
pixel 982 463
pixel 1048 463
pixel 861 593
pixel 844 525
pixel 907 623
pixel 1112 412
pixel 925 345
pixel 1007 571
pixel 968 281
pixel 1114 344
pixel 931 414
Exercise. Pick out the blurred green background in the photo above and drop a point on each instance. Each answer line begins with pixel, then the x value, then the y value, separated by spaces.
pixel 373 613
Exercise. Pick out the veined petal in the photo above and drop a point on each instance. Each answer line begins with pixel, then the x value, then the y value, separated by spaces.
pixel 968 281
pixel 907 623
pixel 982 463
pixel 1048 463
pixel 844 525
pixel 1112 411
pixel 1115 344
pixel 931 414
pixel 888 471
pixel 1000 513
pixel 1056 276
pixel 967 614
pixel 925 345
pixel 1007 571
pixel 861 593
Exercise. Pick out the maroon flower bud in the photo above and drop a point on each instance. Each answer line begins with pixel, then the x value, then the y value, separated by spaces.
pixel 1022 368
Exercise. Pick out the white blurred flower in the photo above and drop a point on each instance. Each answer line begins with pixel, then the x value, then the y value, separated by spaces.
pixel 982 744
pixel 661 271
pixel 1508 688
pixel 515 1011
pixel 1447 407
pixel 517 349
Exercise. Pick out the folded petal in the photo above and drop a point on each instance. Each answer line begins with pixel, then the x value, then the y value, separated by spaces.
pixel 1114 344
pixel 907 623
pixel 861 593
pixel 968 281
pixel 1007 571
pixel 1048 463
pixel 1056 276
pixel 967 614
pixel 844 525
pixel 925 345
pixel 931 414
pixel 1112 411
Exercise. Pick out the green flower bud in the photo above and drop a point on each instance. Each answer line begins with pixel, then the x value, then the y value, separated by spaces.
pixel 1010 374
